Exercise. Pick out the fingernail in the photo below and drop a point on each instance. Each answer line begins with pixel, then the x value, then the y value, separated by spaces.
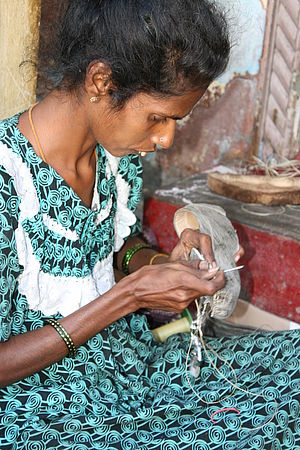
pixel 214 269
pixel 203 265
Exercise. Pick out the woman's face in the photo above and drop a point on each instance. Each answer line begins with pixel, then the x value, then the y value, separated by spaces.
pixel 143 123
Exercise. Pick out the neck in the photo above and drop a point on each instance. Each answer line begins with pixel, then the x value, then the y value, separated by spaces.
pixel 64 135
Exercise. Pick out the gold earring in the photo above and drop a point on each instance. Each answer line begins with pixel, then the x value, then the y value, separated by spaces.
pixel 94 99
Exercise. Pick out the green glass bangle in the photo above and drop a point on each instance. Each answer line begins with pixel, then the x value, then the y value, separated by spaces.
pixel 64 335
pixel 129 254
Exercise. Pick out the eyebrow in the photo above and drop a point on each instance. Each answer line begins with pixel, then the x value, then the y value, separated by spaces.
pixel 170 116
pixel 174 117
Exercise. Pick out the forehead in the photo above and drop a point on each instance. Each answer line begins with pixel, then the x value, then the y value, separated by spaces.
pixel 174 106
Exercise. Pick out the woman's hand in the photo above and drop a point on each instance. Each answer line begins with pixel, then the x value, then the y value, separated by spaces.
pixel 195 239
pixel 173 286
pixel 237 256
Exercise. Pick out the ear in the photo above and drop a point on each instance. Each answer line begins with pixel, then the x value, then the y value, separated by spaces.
pixel 98 80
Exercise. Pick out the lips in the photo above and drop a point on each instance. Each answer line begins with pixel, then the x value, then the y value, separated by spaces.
pixel 144 152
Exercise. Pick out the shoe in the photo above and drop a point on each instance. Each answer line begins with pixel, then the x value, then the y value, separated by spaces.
pixel 212 220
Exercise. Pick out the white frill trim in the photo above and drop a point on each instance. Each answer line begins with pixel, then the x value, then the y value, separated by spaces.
pixel 112 164
pixel 45 292
pixel 67 294
pixel 96 200
pixel 52 294
pixel 125 218
pixel 104 213
pixel 49 293
pixel 53 225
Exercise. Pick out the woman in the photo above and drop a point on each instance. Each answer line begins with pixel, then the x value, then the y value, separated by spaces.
pixel 79 366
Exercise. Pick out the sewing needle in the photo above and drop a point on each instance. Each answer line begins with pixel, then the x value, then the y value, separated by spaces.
pixel 234 268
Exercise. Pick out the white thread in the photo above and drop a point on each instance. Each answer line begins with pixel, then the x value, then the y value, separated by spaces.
pixel 234 385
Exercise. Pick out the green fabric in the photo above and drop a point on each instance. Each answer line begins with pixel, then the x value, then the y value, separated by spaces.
pixel 123 390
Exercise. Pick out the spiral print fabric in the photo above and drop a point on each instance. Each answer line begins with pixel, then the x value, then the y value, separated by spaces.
pixel 105 400
pixel 123 390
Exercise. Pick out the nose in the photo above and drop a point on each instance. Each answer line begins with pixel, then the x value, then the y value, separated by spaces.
pixel 165 135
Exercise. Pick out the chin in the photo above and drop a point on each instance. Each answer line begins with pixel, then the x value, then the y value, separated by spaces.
pixel 118 153
pixel 123 152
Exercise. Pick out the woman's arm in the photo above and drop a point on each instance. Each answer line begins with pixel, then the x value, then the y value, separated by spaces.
pixel 32 351
pixel 169 286
pixel 140 258
pixel 26 353
pixel 189 238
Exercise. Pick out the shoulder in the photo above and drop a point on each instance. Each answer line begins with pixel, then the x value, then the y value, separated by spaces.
pixel 9 129
pixel 13 149
pixel 9 199
pixel 14 173
pixel 12 138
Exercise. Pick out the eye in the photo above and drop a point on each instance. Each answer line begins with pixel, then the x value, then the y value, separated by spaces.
pixel 159 119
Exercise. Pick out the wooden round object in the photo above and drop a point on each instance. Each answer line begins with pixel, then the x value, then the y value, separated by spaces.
pixel 256 188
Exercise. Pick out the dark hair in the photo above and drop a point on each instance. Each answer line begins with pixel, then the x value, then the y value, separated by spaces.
pixel 162 47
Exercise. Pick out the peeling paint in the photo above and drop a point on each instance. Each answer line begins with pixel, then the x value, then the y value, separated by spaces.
pixel 264 3
pixel 181 123
pixel 217 88
pixel 214 91
pixel 220 128
pixel 247 20
pixel 225 145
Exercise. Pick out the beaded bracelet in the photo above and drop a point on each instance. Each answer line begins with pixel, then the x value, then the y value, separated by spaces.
pixel 64 335
pixel 129 254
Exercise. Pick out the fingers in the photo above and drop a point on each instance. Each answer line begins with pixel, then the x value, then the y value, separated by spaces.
pixel 192 277
pixel 207 283
pixel 237 256
pixel 206 249
pixel 204 265
pixel 189 265
pixel 194 267
pixel 173 286
pixel 194 238
pixel 211 274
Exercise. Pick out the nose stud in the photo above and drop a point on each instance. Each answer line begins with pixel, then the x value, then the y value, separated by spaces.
pixel 162 140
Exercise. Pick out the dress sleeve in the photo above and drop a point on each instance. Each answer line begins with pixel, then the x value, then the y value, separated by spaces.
pixel 131 170
pixel 9 264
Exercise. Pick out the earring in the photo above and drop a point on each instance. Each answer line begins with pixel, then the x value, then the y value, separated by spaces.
pixel 94 99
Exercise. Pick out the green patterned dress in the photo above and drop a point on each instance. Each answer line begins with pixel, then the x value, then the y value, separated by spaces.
pixel 123 390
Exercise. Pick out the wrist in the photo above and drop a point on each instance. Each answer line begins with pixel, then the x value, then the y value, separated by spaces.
pixel 128 286
pixel 132 258
pixel 120 300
